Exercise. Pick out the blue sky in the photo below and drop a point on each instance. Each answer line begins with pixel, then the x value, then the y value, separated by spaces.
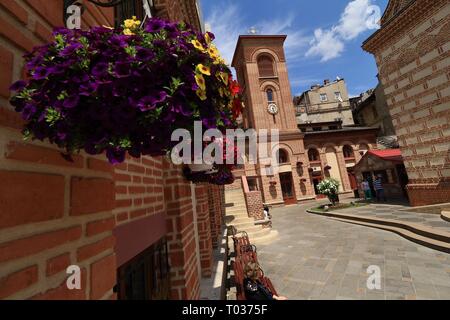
pixel 324 36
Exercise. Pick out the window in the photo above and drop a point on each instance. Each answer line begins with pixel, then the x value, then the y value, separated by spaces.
pixel 283 156
pixel 348 152
pixel 317 129
pixel 333 127
pixel 265 66
pixel 252 184
pixel 146 276
pixel 323 97
pixel 269 93
pixel 337 96
pixel 313 155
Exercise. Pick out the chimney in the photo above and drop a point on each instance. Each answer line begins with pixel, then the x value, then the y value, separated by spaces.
pixel 327 81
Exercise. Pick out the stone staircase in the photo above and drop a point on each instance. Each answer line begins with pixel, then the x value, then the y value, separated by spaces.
pixel 236 215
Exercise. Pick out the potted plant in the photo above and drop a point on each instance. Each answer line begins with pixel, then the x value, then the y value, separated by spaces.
pixel 330 188
pixel 125 90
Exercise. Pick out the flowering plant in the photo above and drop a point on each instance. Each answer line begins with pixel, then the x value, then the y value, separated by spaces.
pixel 221 172
pixel 330 188
pixel 125 90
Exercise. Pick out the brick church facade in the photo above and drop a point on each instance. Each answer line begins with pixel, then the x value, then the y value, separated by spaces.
pixel 108 220
pixel 412 51
pixel 304 158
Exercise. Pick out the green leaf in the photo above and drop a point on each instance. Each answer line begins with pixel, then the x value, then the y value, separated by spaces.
pixel 52 116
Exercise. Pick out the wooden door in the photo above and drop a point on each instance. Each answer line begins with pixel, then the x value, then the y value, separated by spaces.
pixel 287 188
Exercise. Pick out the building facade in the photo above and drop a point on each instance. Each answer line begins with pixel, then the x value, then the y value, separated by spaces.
pixel 412 54
pixel 261 70
pixel 119 224
pixel 323 103
pixel 389 164
pixel 305 156
pixel 370 109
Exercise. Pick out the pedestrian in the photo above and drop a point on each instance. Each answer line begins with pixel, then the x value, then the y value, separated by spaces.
pixel 254 289
pixel 366 189
pixel 379 190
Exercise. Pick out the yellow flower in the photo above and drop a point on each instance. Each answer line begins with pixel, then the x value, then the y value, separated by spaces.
pixel 207 38
pixel 200 81
pixel 201 94
pixel 204 69
pixel 222 76
pixel 132 23
pixel 213 51
pixel 128 32
pixel 129 23
pixel 198 45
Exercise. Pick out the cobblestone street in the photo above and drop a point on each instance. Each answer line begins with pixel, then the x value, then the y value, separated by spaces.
pixel 316 257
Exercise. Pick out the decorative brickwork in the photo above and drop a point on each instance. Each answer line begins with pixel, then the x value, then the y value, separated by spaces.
pixel 413 54
pixel 254 204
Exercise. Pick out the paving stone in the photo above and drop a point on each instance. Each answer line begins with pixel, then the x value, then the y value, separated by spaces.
pixel 320 258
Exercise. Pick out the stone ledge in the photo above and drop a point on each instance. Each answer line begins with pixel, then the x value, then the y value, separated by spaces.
pixel 429 237
pixel 445 215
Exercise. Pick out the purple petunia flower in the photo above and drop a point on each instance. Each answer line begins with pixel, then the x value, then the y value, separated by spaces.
pixel 18 85
pixel 122 69
pixel 71 49
pixel 150 102
pixel 115 155
pixel 100 70
pixel 209 123
pixel 71 101
pixel 28 111
pixel 119 40
pixel 41 73
pixel 154 25
pixel 145 54
pixel 88 89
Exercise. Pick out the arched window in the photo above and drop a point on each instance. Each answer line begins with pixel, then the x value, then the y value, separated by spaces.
pixel 348 152
pixel 313 155
pixel 270 97
pixel 265 66
pixel 282 156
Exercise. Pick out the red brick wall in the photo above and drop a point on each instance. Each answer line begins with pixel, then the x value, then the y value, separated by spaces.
pixel 204 229
pixel 254 204
pixel 412 55
pixel 216 207
pixel 181 236
pixel 56 213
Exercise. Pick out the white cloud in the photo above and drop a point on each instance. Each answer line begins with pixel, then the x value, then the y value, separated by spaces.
pixel 298 82
pixel 227 24
pixel 356 19
pixel 325 44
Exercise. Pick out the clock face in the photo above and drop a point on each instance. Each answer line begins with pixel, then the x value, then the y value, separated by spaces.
pixel 272 108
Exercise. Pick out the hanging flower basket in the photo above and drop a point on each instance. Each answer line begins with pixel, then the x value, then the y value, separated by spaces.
pixel 273 183
pixel 327 167
pixel 125 90
pixel 219 174
pixel 206 168
pixel 299 163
